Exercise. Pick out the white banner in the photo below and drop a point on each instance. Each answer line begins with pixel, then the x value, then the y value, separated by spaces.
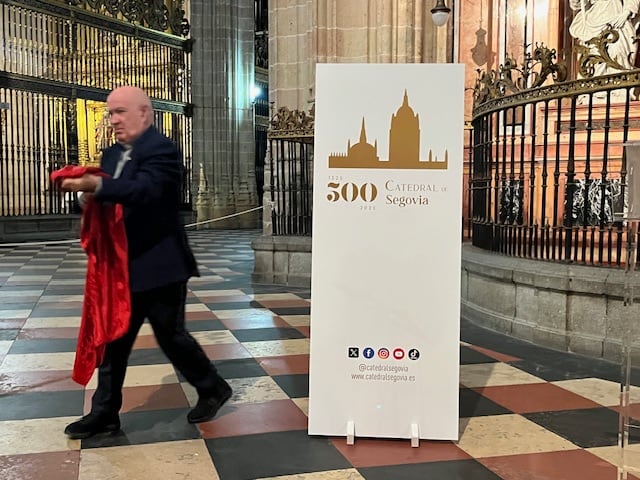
pixel 387 215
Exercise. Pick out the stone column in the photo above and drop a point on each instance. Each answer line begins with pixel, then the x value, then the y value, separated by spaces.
pixel 305 32
pixel 291 52
pixel 222 73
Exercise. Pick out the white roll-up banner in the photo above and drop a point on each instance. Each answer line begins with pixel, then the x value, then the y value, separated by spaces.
pixel 386 248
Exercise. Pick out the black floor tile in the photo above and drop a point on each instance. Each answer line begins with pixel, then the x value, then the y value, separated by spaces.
pixel 73 264
pixel 570 368
pixel 39 312
pixel 31 270
pixel 260 289
pixel 548 364
pixel 595 427
pixel 469 356
pixel 239 368
pixel 236 368
pixel 204 325
pixel 148 427
pixel 68 275
pixel 292 310
pixel 8 334
pixel 64 290
pixel 43 345
pixel 229 305
pixel 452 470
pixel 274 454
pixel 264 334
pixel 20 406
pixel 148 356
pixel 18 306
pixel 7 289
pixel 232 283
pixel 244 267
pixel 295 386
pixel 472 404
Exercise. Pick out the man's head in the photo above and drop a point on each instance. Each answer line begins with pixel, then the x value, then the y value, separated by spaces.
pixel 130 113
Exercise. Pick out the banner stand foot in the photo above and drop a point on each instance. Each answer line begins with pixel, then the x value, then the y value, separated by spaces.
pixel 351 432
pixel 415 435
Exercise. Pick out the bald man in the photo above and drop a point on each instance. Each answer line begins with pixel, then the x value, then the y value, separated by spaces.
pixel 145 177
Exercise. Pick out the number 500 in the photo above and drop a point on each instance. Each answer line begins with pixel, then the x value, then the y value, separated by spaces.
pixel 350 192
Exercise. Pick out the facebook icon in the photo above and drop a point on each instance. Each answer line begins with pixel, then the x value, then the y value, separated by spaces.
pixel 368 352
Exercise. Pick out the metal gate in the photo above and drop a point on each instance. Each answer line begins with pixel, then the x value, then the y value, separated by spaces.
pixel 57 65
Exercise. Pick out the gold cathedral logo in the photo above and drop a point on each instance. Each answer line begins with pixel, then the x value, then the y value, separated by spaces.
pixel 404 146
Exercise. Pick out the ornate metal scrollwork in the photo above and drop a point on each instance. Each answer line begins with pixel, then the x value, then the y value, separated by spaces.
pixel 156 15
pixel 534 71
pixel 546 58
pixel 151 13
pixel 262 50
pixel 177 21
pixel 132 10
pixel 112 6
pixel 588 58
pixel 292 123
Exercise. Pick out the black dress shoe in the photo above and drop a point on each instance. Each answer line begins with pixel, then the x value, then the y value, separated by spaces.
pixel 207 407
pixel 91 425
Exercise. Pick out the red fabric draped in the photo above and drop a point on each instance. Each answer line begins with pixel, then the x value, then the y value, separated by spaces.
pixel 106 309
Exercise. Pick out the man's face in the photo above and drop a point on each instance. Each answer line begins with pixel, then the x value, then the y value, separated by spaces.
pixel 127 115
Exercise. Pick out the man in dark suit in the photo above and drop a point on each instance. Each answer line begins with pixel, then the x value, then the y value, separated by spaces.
pixel 145 177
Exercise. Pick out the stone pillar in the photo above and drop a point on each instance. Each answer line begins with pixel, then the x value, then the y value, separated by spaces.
pixel 291 52
pixel 222 73
pixel 305 32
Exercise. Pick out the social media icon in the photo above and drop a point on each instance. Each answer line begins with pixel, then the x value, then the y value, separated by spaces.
pixel 383 353
pixel 354 352
pixel 368 352
pixel 398 354
pixel 413 354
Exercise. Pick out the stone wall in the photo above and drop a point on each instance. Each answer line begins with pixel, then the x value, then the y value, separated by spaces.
pixel 568 307
pixel 303 33
pixel 283 260
pixel 35 228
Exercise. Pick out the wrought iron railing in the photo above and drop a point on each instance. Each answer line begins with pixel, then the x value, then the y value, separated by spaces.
pixel 261 117
pixel 289 171
pixel 58 62
pixel 548 173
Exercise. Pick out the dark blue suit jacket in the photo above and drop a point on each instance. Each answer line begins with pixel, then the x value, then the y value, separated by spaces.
pixel 149 188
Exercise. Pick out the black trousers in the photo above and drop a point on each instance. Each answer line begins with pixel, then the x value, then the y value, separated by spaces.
pixel 165 309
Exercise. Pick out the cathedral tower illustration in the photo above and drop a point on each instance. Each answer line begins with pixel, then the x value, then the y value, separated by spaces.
pixel 404 136
pixel 404 146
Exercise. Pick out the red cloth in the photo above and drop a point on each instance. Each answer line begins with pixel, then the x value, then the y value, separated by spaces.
pixel 106 309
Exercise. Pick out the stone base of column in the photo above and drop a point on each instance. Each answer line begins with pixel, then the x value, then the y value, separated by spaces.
pixel 282 260
pixel 243 221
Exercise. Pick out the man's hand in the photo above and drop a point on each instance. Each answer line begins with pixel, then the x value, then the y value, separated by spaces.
pixel 86 183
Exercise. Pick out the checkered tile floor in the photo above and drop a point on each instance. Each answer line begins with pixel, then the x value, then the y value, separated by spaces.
pixel 526 413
